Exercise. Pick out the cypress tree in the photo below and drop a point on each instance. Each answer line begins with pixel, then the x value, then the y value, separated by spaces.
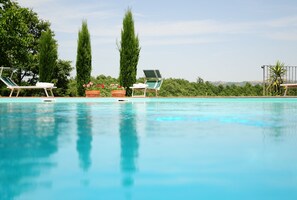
pixel 83 59
pixel 48 56
pixel 129 53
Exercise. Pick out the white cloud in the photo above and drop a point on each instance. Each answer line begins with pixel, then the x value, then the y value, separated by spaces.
pixel 279 29
pixel 106 22
pixel 283 22
pixel 177 41
pixel 68 18
pixel 285 35
pixel 198 27
pixel 33 3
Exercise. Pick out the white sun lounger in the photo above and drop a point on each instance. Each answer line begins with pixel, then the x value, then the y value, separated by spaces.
pixel 14 87
pixel 287 86
pixel 153 81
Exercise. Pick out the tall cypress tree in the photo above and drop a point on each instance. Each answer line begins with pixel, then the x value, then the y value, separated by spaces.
pixel 129 53
pixel 48 56
pixel 83 59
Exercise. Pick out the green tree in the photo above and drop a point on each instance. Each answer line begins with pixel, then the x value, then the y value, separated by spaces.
pixel 129 53
pixel 71 88
pixel 48 56
pixel 20 30
pixel 62 77
pixel 83 59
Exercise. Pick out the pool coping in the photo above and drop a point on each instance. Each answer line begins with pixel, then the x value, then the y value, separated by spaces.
pixel 147 99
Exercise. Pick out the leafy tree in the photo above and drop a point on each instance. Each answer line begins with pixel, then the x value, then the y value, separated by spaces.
pixel 276 74
pixel 61 76
pixel 71 88
pixel 48 56
pixel 83 59
pixel 129 53
pixel 248 90
pixel 20 30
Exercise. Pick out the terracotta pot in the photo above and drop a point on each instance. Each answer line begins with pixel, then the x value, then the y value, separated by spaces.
pixel 118 93
pixel 92 93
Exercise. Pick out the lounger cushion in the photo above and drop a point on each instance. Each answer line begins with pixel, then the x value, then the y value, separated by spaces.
pixel 44 84
pixel 139 85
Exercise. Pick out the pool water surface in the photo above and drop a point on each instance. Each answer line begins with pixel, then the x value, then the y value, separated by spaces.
pixel 219 148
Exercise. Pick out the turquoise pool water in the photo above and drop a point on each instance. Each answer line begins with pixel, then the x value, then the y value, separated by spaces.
pixel 157 148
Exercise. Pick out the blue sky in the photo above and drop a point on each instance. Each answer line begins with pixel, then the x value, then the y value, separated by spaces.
pixel 216 40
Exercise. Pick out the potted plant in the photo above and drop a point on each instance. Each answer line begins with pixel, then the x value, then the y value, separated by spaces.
pixel 93 90
pixel 117 90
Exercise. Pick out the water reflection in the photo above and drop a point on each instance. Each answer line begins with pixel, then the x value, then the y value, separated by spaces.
pixel 277 114
pixel 281 120
pixel 129 143
pixel 28 137
pixel 84 136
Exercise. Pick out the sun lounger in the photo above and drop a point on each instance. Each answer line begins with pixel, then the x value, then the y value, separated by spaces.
pixel 14 87
pixel 153 82
pixel 287 86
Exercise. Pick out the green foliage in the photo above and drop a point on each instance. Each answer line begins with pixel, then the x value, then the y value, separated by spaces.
pixel 71 88
pixel 62 77
pixel 83 59
pixel 129 53
pixel 101 79
pixel 173 87
pixel 292 92
pixel 275 79
pixel 106 81
pixel 183 88
pixel 20 30
pixel 48 56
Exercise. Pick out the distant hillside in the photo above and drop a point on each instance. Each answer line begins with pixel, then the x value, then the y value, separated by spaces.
pixel 216 83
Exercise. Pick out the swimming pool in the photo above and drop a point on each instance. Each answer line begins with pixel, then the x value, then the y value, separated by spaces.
pixel 154 148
